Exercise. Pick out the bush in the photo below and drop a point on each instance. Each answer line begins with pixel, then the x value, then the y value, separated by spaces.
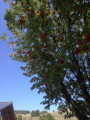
pixel 48 116
pixel 43 112
pixel 35 113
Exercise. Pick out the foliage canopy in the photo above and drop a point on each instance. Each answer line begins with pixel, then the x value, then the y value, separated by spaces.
pixel 52 37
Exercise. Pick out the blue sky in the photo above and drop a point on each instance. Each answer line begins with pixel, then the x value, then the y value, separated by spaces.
pixel 14 86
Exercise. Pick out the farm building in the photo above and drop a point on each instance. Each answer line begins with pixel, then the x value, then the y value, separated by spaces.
pixel 7 111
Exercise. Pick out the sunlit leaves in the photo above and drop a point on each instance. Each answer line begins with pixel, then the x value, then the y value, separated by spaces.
pixel 3 37
pixel 52 38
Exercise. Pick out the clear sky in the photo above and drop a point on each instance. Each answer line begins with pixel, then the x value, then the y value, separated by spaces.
pixel 14 86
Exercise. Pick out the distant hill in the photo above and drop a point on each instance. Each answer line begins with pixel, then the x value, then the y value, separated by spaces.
pixel 22 111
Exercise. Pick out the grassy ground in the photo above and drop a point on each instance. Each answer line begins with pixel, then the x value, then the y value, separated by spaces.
pixel 60 117
pixel 55 114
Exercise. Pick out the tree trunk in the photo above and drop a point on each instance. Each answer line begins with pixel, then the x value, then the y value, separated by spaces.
pixel 75 109
pixel 81 81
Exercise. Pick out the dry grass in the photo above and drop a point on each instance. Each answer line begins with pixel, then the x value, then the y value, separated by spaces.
pixel 55 114
pixel 28 117
pixel 59 116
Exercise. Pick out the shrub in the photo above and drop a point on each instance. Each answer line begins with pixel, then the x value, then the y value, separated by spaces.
pixel 43 112
pixel 48 116
pixel 35 113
